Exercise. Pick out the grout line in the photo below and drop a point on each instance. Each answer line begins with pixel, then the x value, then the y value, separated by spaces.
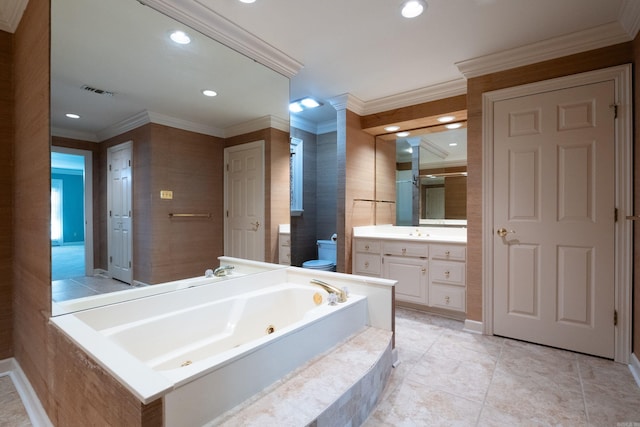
pixel 486 393
pixel 584 396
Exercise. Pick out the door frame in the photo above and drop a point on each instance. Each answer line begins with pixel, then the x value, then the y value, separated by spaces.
pixel 88 203
pixel 621 75
pixel 241 147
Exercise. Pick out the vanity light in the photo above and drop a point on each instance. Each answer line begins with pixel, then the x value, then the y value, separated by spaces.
pixel 209 92
pixel 392 128
pixel 413 8
pixel 453 126
pixel 446 119
pixel 402 134
pixel 72 116
pixel 180 37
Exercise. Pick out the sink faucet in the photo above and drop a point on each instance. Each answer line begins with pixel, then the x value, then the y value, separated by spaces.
pixel 340 293
pixel 222 270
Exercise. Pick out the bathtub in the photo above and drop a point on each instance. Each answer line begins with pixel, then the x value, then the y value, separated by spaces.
pixel 206 349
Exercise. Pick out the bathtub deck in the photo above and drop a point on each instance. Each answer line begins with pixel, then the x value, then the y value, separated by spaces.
pixel 338 388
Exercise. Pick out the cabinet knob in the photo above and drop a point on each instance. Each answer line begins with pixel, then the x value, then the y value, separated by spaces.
pixel 366 247
pixel 446 274
pixel 404 251
pixel 366 264
pixel 447 253
pixel 447 299
pixel 424 270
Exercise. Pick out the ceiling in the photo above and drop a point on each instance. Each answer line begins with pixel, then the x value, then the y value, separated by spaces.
pixel 365 49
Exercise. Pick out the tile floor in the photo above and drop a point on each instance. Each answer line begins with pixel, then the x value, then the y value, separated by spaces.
pixel 84 286
pixel 449 377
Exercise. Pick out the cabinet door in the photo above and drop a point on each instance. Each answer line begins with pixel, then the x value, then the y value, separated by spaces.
pixel 411 274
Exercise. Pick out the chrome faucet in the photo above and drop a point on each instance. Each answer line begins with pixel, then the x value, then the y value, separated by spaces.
pixel 340 293
pixel 222 270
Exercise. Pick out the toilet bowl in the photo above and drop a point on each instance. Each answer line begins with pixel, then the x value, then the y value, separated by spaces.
pixel 326 257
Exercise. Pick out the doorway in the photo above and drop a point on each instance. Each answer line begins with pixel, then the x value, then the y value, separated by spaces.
pixel 572 269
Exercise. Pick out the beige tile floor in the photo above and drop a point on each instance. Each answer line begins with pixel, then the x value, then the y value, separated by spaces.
pixel 448 377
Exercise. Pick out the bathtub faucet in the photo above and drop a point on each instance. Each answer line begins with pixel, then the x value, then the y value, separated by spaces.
pixel 222 270
pixel 340 293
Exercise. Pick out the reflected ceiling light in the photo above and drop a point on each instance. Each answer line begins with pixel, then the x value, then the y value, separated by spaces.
pixel 72 116
pixel 248 1
pixel 453 126
pixel 446 119
pixel 403 134
pixel 180 37
pixel 209 92
pixel 392 128
pixel 303 104
pixel 453 144
pixel 413 8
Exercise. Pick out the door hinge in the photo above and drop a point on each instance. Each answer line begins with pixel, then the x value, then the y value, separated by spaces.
pixel 227 167
pixel 129 264
pixel 110 260
pixel 227 213
pixel 109 167
pixel 614 107
pixel 615 215
pixel 615 317
pixel 109 214
pixel 129 163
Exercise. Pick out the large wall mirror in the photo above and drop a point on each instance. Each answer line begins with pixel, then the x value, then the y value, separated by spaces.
pixel 131 121
pixel 430 169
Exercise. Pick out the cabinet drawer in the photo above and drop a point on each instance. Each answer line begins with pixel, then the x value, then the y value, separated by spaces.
pixel 447 272
pixel 410 249
pixel 449 252
pixel 367 264
pixel 367 246
pixel 445 296
pixel 285 240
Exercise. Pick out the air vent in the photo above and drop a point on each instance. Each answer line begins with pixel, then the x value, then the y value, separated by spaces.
pixel 97 91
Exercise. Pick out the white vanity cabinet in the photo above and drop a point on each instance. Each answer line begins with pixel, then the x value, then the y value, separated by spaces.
pixel 284 248
pixel 428 274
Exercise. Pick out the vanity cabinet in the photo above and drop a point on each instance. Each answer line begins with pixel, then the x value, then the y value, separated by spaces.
pixel 284 248
pixel 428 274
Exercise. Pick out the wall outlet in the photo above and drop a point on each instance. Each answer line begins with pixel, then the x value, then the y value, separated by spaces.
pixel 166 194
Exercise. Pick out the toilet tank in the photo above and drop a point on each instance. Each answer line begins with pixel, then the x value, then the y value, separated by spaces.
pixel 327 250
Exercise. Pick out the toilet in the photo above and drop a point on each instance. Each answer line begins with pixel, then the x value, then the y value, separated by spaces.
pixel 326 257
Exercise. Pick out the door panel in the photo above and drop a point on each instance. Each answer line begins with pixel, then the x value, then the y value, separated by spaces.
pixel 120 213
pixel 554 188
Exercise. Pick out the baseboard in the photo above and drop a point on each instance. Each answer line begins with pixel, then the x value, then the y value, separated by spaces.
pixel 27 394
pixel 472 326
pixel 634 366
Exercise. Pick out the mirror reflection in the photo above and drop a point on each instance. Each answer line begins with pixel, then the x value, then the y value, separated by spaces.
pixel 142 127
pixel 431 175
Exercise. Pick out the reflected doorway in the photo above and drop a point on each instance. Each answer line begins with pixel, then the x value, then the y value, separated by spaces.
pixel 71 215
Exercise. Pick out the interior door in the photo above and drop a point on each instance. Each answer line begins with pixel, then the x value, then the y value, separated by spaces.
pixel 119 205
pixel 244 201
pixel 554 213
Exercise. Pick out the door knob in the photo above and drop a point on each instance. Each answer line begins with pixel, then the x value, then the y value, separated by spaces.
pixel 256 225
pixel 503 232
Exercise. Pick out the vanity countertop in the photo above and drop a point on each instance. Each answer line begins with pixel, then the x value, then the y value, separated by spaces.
pixel 426 234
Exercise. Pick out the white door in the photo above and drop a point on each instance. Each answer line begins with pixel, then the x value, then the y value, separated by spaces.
pixel 554 191
pixel 119 202
pixel 244 201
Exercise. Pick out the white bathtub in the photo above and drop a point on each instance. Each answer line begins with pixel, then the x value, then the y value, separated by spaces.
pixel 207 349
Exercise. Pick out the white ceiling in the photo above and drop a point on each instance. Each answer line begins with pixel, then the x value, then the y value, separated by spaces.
pixel 364 48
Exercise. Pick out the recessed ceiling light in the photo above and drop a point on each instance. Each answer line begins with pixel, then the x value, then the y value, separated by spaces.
pixel 446 119
pixel 180 37
pixel 413 8
pixel 453 125
pixel 309 103
pixel 453 144
pixel 248 1
pixel 72 116
pixel 392 128
pixel 209 92
pixel 295 107
pixel 403 134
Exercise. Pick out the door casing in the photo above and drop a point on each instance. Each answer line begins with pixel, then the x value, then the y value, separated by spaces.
pixel 621 75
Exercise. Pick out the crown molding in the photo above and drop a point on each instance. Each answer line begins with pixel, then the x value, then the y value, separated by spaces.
pixel 581 41
pixel 326 127
pixel 313 127
pixel 198 15
pixel 629 17
pixel 74 134
pixel 419 96
pixel 349 102
pixel 11 13
pixel 257 124
pixel 130 123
